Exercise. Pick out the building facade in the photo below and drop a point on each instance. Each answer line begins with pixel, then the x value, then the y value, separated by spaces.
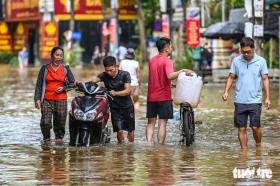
pixel 41 25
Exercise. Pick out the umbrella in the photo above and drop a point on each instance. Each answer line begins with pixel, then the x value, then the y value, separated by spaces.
pixel 213 30
pixel 225 30
pixel 233 30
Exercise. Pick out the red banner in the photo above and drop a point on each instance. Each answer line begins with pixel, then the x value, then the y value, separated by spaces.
pixel 165 26
pixel 193 32
pixel 127 9
pixel 113 31
pixel 5 37
pixel 17 10
pixel 84 9
pixel 48 38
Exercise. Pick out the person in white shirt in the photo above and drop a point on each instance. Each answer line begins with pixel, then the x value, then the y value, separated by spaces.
pixel 120 52
pixel 130 65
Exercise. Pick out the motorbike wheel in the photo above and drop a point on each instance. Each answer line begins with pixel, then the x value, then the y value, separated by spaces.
pixel 96 131
pixel 83 134
pixel 73 131
pixel 105 136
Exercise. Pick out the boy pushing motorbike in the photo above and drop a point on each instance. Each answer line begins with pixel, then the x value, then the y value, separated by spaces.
pixel 122 110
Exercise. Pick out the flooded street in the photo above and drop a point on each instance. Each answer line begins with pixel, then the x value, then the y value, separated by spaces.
pixel 25 160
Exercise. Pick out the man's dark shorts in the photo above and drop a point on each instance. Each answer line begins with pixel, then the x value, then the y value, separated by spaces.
pixel 162 109
pixel 123 119
pixel 243 111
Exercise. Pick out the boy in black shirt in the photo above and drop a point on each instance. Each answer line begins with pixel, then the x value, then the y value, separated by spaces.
pixel 121 107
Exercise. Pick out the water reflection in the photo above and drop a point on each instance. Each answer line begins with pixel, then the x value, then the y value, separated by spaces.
pixel 53 165
pixel 159 166
pixel 210 161
pixel 23 75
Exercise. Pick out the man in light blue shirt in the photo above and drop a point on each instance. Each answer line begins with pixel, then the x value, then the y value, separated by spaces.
pixel 23 58
pixel 250 71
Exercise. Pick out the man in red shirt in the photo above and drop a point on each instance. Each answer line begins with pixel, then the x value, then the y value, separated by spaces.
pixel 159 100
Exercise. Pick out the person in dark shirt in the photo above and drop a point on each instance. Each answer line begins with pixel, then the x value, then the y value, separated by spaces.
pixel 206 56
pixel 121 106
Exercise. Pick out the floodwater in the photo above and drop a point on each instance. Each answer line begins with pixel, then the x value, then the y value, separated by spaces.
pixel 25 160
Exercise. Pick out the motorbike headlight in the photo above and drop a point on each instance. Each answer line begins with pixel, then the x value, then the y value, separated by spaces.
pixel 90 115
pixel 79 114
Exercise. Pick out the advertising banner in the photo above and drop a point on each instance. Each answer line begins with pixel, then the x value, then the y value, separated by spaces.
pixel 113 35
pixel 127 10
pixel 48 38
pixel 193 27
pixel 5 37
pixel 83 9
pixel 17 10
pixel 165 26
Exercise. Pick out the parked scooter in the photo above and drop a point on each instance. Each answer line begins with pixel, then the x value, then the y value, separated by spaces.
pixel 89 115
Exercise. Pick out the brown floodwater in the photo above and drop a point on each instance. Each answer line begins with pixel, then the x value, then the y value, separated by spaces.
pixel 25 160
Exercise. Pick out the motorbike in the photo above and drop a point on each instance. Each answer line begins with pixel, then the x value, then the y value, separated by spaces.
pixel 89 115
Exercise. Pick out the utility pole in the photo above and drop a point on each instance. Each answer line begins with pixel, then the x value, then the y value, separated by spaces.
pixel 115 20
pixel 257 20
pixel 72 16
pixel 141 21
pixel 184 2
pixel 279 57
pixel 170 12
pixel 223 11
pixel 202 13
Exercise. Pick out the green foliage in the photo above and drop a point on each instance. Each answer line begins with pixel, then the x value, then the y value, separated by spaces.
pixel 72 56
pixel 187 61
pixel 5 57
pixel 14 62
pixel 275 59
pixel 149 8
pixel 138 54
pixel 215 7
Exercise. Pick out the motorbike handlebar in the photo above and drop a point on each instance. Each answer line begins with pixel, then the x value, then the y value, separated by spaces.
pixel 83 87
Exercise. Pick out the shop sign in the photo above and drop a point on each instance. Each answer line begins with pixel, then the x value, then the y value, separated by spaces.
pixel 258 8
pixel 193 27
pixel 76 36
pixel 46 6
pixel 127 10
pixel 83 9
pixel 5 37
pixel 22 10
pixel 258 30
pixel 19 40
pixel 178 13
pixel 48 38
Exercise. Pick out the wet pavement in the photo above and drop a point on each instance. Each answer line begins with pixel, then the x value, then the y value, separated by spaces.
pixel 25 160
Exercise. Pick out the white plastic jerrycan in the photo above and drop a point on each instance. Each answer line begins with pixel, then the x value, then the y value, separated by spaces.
pixel 188 89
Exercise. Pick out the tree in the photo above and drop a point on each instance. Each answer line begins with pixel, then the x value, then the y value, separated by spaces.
pixel 214 8
pixel 141 24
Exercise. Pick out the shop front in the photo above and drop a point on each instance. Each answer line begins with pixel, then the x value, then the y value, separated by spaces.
pixel 88 24
pixel 23 21
pixel 93 21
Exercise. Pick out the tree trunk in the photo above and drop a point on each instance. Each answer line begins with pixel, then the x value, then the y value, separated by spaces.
pixel 272 51
pixel 72 16
pixel 142 30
